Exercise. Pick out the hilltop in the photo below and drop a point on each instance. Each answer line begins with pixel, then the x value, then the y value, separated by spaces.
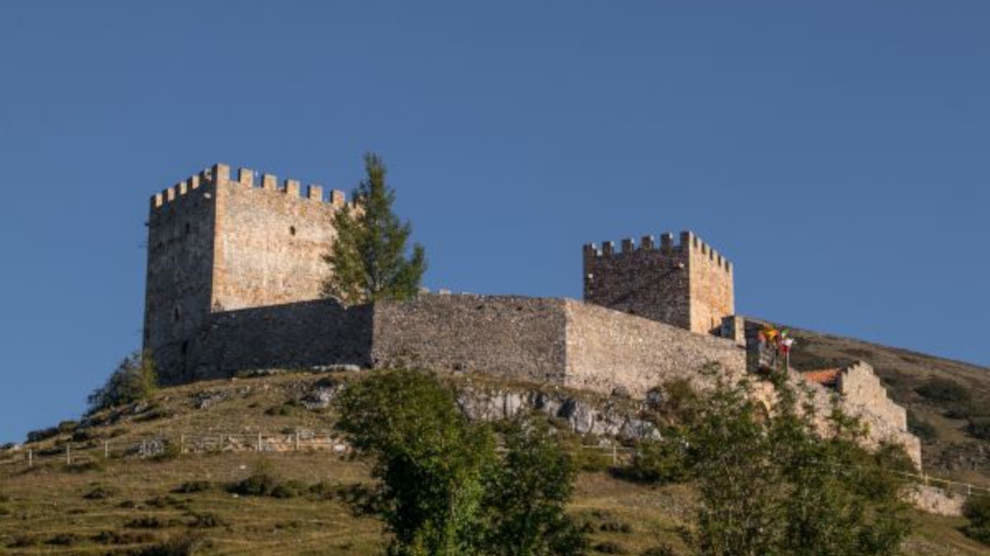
pixel 126 502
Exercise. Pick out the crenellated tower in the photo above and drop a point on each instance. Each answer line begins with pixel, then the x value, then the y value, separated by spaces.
pixel 220 244
pixel 688 284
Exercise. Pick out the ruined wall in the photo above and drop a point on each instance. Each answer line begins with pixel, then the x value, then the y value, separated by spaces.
pixel 861 387
pixel 293 335
pixel 180 261
pixel 866 399
pixel 607 349
pixel 687 285
pixel 269 240
pixel 504 336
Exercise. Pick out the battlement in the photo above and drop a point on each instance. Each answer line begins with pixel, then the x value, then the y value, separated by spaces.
pixel 688 242
pixel 220 174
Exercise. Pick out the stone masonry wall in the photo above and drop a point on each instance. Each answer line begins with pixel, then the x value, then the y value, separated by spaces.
pixel 269 241
pixel 180 262
pixel 711 292
pixel 504 336
pixel 607 349
pixel 687 285
pixel 293 335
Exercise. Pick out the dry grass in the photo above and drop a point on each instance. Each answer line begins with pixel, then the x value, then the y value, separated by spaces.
pixel 47 511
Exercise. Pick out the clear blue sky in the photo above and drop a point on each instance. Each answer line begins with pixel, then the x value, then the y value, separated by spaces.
pixel 835 152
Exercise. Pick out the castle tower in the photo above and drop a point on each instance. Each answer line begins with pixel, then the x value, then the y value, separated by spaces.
pixel 687 285
pixel 219 244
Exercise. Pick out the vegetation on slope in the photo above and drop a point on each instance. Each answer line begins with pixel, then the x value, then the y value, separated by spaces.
pixel 327 504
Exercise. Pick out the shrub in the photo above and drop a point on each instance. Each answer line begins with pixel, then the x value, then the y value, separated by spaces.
pixel 66 427
pixel 977 510
pixel 42 434
pixel 146 522
pixel 63 539
pixel 922 429
pixel 610 547
pixel 185 545
pixel 193 486
pixel 661 550
pixel 205 521
pixel 665 461
pixel 261 482
pixel 101 492
pixel 940 389
pixel 134 379
pixel 979 427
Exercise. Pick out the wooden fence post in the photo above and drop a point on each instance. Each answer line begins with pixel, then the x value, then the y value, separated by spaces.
pixel 106 449
pixel 182 444
pixel 68 454
pixel 30 458
pixel 259 441
pixel 295 443
pixel 613 454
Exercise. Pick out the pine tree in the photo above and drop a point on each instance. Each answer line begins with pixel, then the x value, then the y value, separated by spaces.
pixel 368 259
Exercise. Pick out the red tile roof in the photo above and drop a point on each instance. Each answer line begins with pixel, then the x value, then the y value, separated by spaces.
pixel 825 377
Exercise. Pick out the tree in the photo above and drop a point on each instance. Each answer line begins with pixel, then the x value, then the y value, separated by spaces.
pixel 429 459
pixel 368 259
pixel 526 494
pixel 770 485
pixel 134 379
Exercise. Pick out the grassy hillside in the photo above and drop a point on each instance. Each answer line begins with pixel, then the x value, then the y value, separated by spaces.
pixel 125 503
pixel 944 398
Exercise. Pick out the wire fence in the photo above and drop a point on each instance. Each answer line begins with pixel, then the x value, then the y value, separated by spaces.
pixel 288 443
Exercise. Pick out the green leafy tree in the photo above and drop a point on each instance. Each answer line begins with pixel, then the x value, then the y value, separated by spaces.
pixel 368 259
pixel 429 458
pixel 526 494
pixel 134 379
pixel 770 485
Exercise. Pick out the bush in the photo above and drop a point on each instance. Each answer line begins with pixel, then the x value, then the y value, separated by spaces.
pixel 939 389
pixel 205 521
pixel 979 427
pixel 977 510
pixel 185 545
pixel 42 434
pixel 134 379
pixel 610 547
pixel 101 492
pixel 922 429
pixel 63 539
pixel 662 462
pixel 146 522
pixel 66 427
pixel 193 486
pixel 264 482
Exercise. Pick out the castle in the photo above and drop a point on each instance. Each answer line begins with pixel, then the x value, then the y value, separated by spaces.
pixel 234 274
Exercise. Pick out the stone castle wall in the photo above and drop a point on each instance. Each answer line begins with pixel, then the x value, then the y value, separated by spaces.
pixel 687 285
pixel 270 241
pixel 181 227
pixel 217 244
pixel 506 336
pixel 539 340
pixel 607 349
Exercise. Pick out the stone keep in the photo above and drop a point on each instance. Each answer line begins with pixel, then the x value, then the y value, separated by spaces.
pixel 688 285
pixel 217 244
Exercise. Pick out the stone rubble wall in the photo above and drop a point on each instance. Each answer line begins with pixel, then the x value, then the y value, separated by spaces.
pixel 510 337
pixel 607 349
